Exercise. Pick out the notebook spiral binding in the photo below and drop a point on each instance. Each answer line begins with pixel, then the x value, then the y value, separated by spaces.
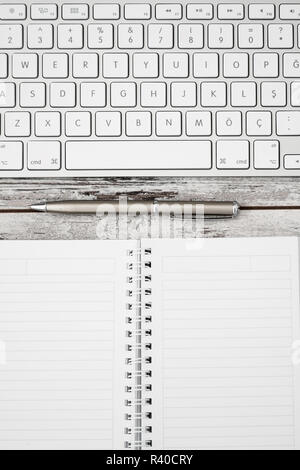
pixel 139 345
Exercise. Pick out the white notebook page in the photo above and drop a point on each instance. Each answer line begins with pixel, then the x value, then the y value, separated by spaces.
pixel 225 316
pixel 62 324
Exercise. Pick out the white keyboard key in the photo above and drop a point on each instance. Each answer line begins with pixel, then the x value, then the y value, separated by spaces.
pixel 281 36
pixel 78 11
pixel 137 11
pixel 131 36
pixel 266 155
pixel 251 36
pixel 32 95
pixel 199 11
pixel 183 95
pixel 115 65
pixel 198 123
pixel 160 36
pixel 213 94
pixel 273 94
pixel 261 11
pixel 108 124
pixel 220 36
pixel 190 36
pixel 11 36
pixel 13 11
pixel 243 94
pixel 47 124
pixel 7 95
pixel 44 155
pixel 288 123
pixel 25 65
pixel 44 11
pixel 168 11
pixel 266 65
pixel 153 95
pixel 93 95
pixel 11 156
pixel 295 94
pixel 138 124
pixel 3 65
pixel 62 95
pixel 292 162
pixel 291 65
pixel 40 36
pixel 55 65
pixel 290 11
pixel 154 155
pixel 229 123
pixel 168 124
pixel 145 65
pixel 85 66
pixel 233 155
pixel 70 36
pixel 107 11
pixel 78 124
pixel 17 124
pixel 236 65
pixel 123 95
pixel 231 11
pixel 259 123
pixel 176 66
pixel 206 65
pixel 100 36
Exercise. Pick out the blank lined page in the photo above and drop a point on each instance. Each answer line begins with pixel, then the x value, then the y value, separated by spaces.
pixel 62 323
pixel 225 317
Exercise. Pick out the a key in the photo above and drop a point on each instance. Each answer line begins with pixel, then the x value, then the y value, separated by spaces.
pixel 40 36
pixel 123 95
pixel 200 11
pixel 100 36
pixel 153 95
pixel 220 36
pixel 229 123
pixel 273 94
pixel 93 95
pixel 11 156
pixel 291 65
pixel 145 65
pixel 288 123
pixel 243 94
pixel 7 95
pixel 231 11
pixel 213 94
pixel 160 36
pixel 261 11
pixel 47 124
pixel 233 155
pixel 107 11
pixel 108 124
pixel 295 94
pixel 78 124
pixel 171 11
pixel 206 65
pixel 62 95
pixel 176 65
pixel 183 95
pixel 131 36
pixel 168 124
pixel 17 124
pixel 11 36
pixel 266 65
pixel 3 66
pixel 13 11
pixel 32 95
pixel 44 11
pixel 292 162
pixel 70 36
pixel 115 65
pixel 190 36
pixel 55 65
pixel 251 36
pixel 259 123
pixel 78 11
pixel 290 11
pixel 236 65
pixel 198 123
pixel 266 155
pixel 25 65
pixel 85 66
pixel 44 155
pixel 281 36
pixel 139 11
pixel 138 124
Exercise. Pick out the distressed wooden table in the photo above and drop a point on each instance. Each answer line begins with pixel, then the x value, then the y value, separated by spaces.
pixel 273 206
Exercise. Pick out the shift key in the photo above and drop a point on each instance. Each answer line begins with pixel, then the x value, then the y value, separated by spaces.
pixel 11 156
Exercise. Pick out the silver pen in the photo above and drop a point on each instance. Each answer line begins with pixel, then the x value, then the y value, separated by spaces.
pixel 206 209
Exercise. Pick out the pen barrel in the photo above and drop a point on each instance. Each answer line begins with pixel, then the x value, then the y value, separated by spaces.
pixel 213 209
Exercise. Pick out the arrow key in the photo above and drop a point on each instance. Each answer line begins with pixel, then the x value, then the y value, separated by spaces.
pixel 292 162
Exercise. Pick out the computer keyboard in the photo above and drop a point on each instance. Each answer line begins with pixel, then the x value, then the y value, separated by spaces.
pixel 156 88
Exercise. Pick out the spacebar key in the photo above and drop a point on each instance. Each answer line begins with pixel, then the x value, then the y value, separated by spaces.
pixel 138 155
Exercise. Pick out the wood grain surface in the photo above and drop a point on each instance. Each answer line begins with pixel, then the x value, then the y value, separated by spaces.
pixel 273 206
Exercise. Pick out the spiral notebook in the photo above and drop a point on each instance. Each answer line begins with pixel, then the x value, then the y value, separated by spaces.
pixel 162 344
